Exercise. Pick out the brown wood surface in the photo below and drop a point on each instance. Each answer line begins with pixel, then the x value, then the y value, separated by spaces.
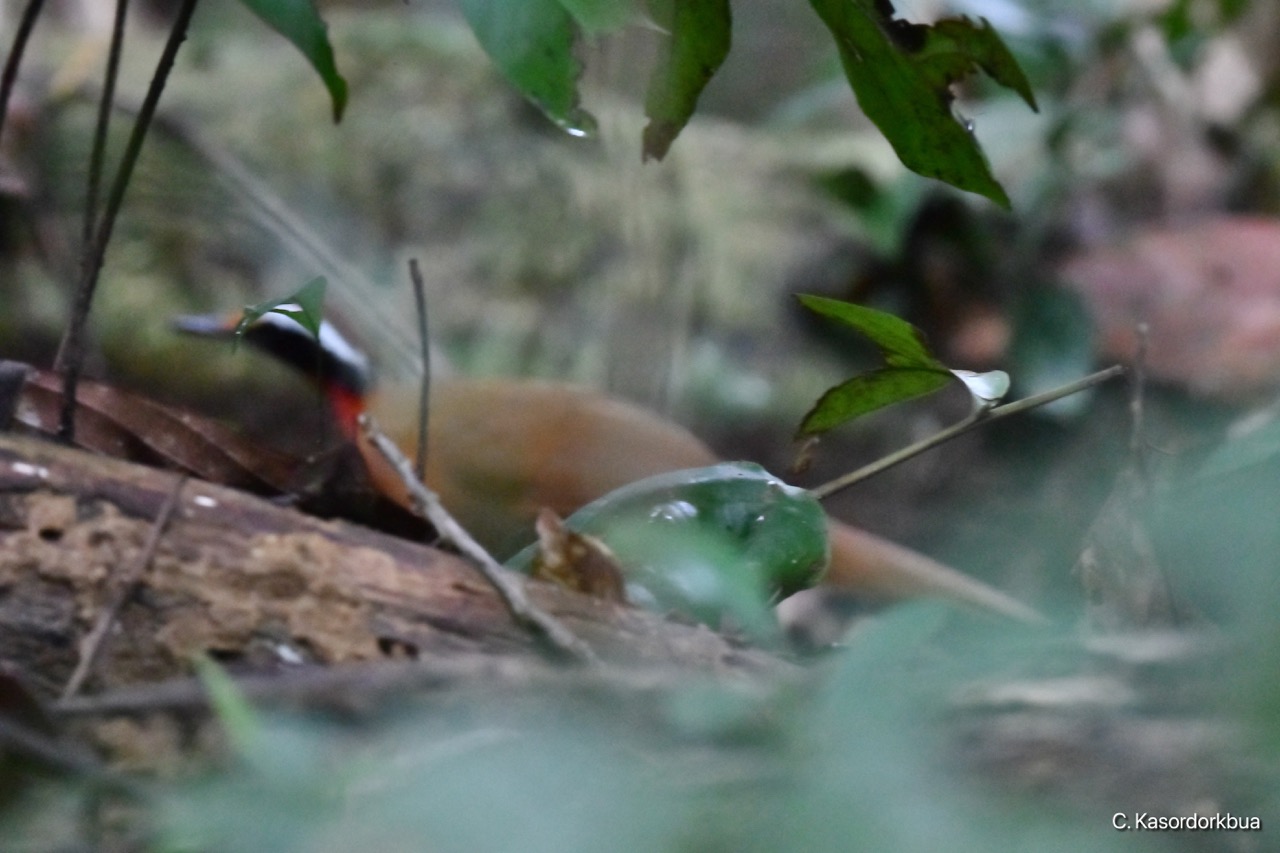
pixel 261 586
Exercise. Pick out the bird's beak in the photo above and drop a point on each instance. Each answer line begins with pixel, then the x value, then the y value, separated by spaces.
pixel 208 325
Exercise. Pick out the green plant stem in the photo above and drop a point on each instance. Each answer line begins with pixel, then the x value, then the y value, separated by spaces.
pixel 977 419
pixel 70 357
pixel 10 76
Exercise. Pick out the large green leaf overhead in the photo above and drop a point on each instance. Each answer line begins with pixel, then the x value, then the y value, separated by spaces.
pixel 531 42
pixel 901 74
pixel 300 23
pixel 696 44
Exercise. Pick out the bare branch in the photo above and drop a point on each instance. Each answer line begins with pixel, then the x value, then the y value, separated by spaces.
pixel 507 584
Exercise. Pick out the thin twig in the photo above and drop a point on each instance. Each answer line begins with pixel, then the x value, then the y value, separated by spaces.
pixel 91 646
pixel 329 685
pixel 71 351
pixel 978 418
pixel 10 76
pixel 508 585
pixel 105 103
pixel 357 686
pixel 1137 395
pixel 424 394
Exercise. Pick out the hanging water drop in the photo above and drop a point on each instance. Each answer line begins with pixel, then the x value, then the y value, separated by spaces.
pixel 578 123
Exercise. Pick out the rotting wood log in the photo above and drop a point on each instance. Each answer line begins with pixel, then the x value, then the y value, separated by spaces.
pixel 263 586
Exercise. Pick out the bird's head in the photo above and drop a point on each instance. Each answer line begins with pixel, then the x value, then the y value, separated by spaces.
pixel 340 368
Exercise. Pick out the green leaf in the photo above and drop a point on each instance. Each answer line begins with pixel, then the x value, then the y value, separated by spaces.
pixel 711 542
pixel 911 369
pixel 958 45
pixel 531 42
pixel 697 43
pixel 901 74
pixel 600 16
pixel 306 307
pixel 902 344
pixel 869 392
pixel 300 23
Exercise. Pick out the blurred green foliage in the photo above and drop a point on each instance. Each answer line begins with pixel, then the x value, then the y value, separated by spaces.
pixel 856 760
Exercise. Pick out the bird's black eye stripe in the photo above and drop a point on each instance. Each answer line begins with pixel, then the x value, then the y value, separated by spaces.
pixel 330 359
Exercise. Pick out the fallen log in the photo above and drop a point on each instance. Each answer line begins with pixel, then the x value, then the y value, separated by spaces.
pixel 263 587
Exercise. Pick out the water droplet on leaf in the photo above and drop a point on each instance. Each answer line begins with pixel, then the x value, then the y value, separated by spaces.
pixel 674 511
pixel 578 123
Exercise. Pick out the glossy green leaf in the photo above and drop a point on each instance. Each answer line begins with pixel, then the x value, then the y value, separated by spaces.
pixel 531 42
pixel 869 392
pixel 712 542
pixel 300 23
pixel 696 44
pixel 901 74
pixel 693 569
pixel 902 344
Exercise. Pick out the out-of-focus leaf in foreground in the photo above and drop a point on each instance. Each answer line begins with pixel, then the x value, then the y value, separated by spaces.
pixel 717 543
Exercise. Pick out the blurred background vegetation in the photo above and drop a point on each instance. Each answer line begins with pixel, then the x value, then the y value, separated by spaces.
pixel 1146 185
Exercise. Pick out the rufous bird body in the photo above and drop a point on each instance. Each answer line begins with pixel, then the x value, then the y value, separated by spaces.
pixel 503 449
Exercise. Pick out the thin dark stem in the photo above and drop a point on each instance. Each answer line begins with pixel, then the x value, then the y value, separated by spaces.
pixel 20 39
pixel 105 104
pixel 424 398
pixel 71 352
pixel 977 419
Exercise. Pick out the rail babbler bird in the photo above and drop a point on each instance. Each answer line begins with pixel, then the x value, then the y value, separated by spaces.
pixel 502 449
